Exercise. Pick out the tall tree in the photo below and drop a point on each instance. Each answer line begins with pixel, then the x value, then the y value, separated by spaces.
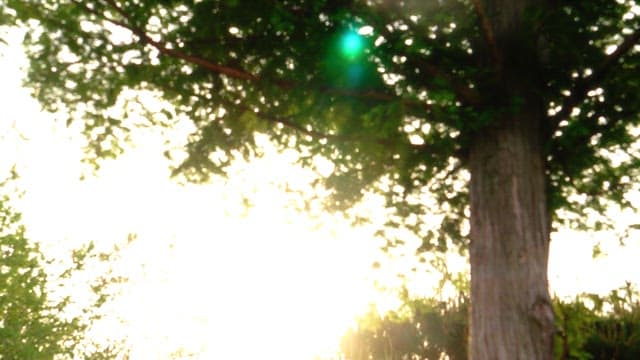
pixel 522 101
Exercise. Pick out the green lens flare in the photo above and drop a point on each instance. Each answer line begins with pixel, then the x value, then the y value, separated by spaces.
pixel 352 45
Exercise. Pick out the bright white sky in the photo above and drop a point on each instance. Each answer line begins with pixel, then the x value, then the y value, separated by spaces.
pixel 208 275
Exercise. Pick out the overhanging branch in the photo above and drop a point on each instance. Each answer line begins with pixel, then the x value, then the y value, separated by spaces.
pixel 231 72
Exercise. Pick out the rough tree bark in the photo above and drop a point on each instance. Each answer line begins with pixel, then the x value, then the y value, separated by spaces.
pixel 511 312
pixel 511 315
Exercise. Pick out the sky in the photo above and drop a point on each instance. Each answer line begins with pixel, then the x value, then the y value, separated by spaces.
pixel 210 275
pixel 204 269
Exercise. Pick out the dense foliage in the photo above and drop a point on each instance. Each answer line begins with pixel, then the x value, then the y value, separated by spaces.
pixel 589 327
pixel 402 104
pixel 421 329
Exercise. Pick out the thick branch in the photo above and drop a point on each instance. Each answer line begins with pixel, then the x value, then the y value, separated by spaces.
pixel 624 48
pixel 231 72
pixel 581 88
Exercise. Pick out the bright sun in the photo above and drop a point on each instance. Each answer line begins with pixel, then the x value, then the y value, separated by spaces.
pixel 207 275
pixel 239 284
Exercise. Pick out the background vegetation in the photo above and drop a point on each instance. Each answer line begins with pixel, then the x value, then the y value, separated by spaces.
pixel 43 316
pixel 589 326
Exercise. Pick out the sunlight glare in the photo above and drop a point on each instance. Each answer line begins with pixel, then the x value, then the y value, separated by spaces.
pixel 207 275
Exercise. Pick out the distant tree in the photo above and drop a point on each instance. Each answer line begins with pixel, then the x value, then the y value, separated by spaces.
pixel 590 327
pixel 422 329
pixel 505 112
pixel 34 325
pixel 600 327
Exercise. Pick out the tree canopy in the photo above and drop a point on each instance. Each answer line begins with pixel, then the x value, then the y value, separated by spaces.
pixel 513 115
pixel 383 89
pixel 590 326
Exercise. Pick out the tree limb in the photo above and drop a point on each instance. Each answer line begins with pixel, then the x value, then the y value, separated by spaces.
pixel 231 72
pixel 579 91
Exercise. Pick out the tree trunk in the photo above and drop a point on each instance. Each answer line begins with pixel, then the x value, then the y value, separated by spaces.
pixel 511 312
